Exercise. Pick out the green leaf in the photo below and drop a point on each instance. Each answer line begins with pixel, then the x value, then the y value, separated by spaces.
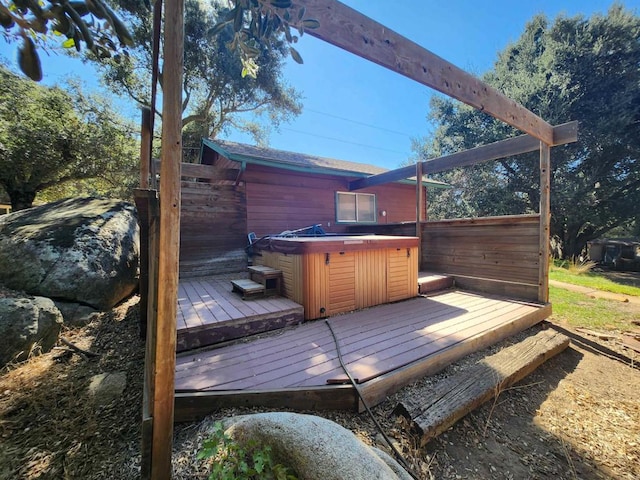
pixel 75 16
pixel 29 61
pixel 96 9
pixel 217 28
pixel 295 55
pixel 310 23
pixel 301 13
pixel 281 3
pixel 238 19
pixel 6 20
pixel 81 7
pixel 230 15
pixel 118 26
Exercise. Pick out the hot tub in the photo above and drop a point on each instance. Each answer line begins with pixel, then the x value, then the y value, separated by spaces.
pixel 335 274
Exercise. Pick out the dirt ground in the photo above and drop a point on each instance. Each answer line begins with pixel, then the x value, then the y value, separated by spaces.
pixel 576 417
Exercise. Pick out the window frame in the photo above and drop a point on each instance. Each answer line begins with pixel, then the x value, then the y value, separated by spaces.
pixel 357 220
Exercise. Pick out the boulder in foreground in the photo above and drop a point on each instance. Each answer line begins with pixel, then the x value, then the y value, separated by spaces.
pixel 316 448
pixel 82 250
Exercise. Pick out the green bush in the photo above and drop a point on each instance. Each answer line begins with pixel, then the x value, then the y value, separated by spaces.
pixel 230 461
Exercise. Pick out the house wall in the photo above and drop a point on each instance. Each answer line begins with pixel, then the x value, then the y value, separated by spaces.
pixel 279 200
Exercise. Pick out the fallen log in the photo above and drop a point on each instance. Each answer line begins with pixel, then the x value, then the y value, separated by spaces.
pixel 632 343
pixel 600 335
pixel 456 396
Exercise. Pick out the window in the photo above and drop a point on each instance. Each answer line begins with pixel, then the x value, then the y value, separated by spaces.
pixel 355 207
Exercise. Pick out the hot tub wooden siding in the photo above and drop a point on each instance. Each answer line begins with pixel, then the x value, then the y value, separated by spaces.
pixel 333 275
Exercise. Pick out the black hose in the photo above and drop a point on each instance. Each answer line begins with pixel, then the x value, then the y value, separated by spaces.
pixel 399 456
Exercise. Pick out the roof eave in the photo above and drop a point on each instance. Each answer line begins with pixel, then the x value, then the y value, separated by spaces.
pixel 238 157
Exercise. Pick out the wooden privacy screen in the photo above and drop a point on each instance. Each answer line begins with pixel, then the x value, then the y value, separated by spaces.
pixel 493 254
pixel 213 221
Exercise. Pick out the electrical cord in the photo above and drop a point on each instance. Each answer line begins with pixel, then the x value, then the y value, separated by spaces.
pixel 399 456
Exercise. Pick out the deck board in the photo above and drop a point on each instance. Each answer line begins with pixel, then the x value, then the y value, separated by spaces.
pixel 298 339
pixel 209 312
pixel 356 327
pixel 373 342
pixel 376 359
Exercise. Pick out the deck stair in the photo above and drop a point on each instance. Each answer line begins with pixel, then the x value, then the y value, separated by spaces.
pixel 262 282
pixel 429 282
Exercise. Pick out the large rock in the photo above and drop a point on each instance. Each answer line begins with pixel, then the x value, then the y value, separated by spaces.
pixel 316 448
pixel 80 250
pixel 25 321
pixel 75 314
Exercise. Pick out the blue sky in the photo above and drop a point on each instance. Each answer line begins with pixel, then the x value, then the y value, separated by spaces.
pixel 355 110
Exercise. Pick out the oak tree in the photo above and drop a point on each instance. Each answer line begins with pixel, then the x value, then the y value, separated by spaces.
pixel 574 68
pixel 50 137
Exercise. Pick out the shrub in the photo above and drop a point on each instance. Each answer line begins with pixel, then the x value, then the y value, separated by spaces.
pixel 231 461
pixel 579 267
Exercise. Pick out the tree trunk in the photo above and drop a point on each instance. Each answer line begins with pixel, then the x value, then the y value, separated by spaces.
pixel 21 199
pixel 571 247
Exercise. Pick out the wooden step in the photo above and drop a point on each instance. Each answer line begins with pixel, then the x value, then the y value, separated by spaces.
pixel 269 277
pixel 248 288
pixel 457 395
pixel 264 271
pixel 433 282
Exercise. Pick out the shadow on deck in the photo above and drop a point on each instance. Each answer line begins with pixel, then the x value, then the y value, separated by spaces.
pixel 384 347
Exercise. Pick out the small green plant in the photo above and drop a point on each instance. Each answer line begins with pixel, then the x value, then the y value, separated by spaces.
pixel 231 461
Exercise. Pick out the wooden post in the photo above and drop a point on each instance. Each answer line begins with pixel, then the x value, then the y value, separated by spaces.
pixel 419 208
pixel 545 220
pixel 149 218
pixel 145 148
pixel 169 244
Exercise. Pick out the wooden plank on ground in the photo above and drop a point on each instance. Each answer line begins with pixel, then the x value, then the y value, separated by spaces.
pixel 631 343
pixel 460 394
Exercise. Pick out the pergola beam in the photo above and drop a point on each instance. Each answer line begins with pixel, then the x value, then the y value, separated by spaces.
pixel 565 133
pixel 354 32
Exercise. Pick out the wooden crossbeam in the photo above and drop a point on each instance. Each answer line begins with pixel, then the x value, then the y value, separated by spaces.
pixel 354 32
pixel 563 134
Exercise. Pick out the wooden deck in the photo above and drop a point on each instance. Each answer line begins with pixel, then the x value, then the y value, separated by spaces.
pixel 384 348
pixel 209 313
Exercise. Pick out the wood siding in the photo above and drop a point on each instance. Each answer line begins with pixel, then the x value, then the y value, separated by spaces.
pixel 213 230
pixel 402 273
pixel 495 254
pixel 279 200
